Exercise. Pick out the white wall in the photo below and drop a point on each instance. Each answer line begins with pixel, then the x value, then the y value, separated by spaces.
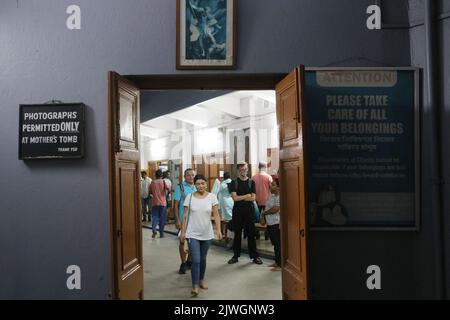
pixel 182 144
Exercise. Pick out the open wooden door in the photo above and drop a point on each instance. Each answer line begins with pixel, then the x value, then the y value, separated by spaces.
pixel 126 230
pixel 289 92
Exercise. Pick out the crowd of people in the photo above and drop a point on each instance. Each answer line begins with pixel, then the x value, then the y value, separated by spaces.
pixel 233 205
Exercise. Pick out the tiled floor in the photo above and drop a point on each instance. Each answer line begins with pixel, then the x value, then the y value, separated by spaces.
pixel 241 281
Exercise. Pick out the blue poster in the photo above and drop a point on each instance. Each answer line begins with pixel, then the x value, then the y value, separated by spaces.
pixel 361 134
pixel 206 29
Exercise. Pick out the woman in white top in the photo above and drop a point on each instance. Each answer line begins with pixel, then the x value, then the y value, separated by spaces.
pixel 197 229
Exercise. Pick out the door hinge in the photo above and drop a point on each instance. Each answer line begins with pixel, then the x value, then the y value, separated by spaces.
pixel 302 233
pixel 119 233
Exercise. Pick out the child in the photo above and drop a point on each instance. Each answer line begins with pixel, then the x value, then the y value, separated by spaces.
pixel 271 217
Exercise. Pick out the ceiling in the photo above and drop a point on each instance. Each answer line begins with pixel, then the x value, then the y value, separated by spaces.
pixel 222 111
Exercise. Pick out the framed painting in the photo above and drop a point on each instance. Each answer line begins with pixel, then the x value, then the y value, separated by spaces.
pixel 206 34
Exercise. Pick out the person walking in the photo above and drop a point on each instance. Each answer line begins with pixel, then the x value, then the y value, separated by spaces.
pixel 145 195
pixel 263 182
pixel 181 192
pixel 158 190
pixel 243 194
pixel 197 229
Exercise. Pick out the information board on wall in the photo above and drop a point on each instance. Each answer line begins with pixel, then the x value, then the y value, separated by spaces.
pixel 362 133
pixel 49 131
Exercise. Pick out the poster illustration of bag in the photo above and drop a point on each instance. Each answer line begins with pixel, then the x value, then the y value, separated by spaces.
pixel 328 211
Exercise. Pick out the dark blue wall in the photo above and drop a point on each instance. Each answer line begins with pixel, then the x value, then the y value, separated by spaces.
pixel 55 213
pixel 418 58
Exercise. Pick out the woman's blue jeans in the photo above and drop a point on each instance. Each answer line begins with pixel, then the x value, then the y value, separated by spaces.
pixel 198 249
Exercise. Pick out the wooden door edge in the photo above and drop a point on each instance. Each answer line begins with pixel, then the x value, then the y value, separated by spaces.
pixel 295 78
pixel 112 99
pixel 303 115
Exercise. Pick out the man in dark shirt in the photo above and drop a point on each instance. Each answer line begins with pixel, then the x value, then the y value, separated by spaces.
pixel 243 192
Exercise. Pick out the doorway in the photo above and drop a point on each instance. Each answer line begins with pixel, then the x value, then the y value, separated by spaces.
pixel 209 134
pixel 124 165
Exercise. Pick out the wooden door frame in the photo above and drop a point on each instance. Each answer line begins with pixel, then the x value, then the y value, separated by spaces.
pixel 209 81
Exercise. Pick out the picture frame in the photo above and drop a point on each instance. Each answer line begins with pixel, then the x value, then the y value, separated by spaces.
pixel 206 34
pixel 52 131
pixel 343 194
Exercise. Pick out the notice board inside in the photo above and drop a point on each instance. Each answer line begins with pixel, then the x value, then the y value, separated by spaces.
pixel 363 148
pixel 51 131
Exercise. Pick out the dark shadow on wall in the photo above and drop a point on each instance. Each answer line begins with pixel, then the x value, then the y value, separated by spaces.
pixel 358 62
pixel 158 103
pixel 443 93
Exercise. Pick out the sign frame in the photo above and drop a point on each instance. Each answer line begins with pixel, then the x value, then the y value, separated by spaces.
pixel 185 17
pixel 81 117
pixel 416 226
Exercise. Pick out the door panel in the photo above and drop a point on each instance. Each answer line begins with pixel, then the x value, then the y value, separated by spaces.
pixel 130 242
pixel 292 181
pixel 289 130
pixel 290 177
pixel 126 117
pixel 125 168
pixel 199 166
pixel 213 170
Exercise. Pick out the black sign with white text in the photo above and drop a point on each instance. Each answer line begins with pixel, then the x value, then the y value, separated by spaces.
pixel 49 131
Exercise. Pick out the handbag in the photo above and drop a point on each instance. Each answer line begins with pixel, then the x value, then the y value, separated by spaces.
pixel 186 245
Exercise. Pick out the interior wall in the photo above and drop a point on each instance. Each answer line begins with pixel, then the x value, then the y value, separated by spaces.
pixel 55 213
pixel 180 145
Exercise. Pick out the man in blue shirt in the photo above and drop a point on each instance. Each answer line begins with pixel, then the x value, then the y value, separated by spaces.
pixel 181 191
